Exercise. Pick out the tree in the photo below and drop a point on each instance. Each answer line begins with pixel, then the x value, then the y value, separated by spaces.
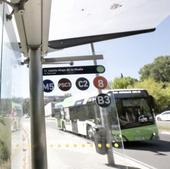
pixel 167 92
pixel 161 95
pixel 159 70
pixel 122 82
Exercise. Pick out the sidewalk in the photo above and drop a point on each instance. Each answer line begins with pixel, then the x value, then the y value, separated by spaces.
pixel 20 158
pixel 96 162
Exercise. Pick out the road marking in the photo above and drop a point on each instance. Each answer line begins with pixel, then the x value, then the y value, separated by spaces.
pixel 65 145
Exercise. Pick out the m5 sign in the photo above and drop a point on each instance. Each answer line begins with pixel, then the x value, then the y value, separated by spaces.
pixel 48 85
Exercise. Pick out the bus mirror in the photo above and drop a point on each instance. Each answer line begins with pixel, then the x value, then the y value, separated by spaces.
pixel 100 140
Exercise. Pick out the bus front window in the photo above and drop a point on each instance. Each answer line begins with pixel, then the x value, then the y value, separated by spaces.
pixel 134 112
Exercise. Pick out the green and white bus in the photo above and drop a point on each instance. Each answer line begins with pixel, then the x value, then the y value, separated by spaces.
pixel 134 114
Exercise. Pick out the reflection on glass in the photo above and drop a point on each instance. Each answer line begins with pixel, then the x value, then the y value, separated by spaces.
pixel 5 107
pixel 10 107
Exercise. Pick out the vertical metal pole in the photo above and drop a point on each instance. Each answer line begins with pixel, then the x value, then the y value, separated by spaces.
pixel 107 126
pixel 99 90
pixel 105 123
pixel 38 131
pixel 93 53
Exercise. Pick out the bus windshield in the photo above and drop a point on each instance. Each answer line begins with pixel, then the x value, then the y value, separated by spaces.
pixel 134 112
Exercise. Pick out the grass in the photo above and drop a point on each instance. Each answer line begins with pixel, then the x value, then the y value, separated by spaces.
pixel 4 143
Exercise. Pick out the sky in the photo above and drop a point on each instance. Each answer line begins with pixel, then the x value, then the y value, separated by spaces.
pixel 121 56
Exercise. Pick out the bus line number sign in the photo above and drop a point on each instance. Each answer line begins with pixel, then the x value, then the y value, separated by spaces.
pixel 64 84
pixel 48 85
pixel 103 100
pixel 100 82
pixel 82 83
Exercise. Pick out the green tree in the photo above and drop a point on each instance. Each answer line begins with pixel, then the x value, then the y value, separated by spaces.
pixel 159 70
pixel 122 82
pixel 167 93
pixel 161 94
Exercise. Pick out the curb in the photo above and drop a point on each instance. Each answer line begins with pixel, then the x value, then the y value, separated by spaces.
pixel 134 162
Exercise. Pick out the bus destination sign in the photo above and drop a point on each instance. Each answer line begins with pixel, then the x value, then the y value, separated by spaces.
pixel 73 70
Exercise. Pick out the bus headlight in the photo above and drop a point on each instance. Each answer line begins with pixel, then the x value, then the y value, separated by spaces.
pixel 154 134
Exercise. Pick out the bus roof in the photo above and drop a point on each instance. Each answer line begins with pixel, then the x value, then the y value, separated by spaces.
pixel 83 99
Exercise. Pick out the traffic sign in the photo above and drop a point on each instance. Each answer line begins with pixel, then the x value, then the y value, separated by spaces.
pixel 48 85
pixel 103 100
pixel 100 82
pixel 64 84
pixel 82 83
pixel 94 69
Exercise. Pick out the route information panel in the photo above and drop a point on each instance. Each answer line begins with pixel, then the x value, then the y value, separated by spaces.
pixel 73 70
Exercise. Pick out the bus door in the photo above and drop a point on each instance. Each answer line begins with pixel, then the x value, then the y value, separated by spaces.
pixel 83 119
pixel 74 119
pixel 74 126
pixel 67 122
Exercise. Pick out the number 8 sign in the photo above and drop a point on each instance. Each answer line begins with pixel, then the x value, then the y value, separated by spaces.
pixel 103 100
pixel 100 82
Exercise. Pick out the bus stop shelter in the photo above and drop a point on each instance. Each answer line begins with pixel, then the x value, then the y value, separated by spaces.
pixel 45 25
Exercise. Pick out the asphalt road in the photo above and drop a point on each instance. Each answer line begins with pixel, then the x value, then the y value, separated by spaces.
pixel 155 153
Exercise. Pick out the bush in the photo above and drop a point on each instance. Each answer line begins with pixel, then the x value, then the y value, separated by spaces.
pixel 4 143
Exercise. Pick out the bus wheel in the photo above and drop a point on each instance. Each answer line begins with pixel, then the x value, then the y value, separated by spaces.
pixel 90 133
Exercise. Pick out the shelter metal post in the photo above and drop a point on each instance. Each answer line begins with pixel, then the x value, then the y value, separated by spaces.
pixel 38 130
pixel 105 122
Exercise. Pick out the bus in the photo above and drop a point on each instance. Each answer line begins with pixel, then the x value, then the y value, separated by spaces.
pixel 132 110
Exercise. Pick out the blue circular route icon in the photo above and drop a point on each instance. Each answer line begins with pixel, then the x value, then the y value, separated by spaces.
pixel 48 85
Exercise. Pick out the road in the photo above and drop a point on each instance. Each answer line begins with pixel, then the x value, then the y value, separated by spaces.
pixel 155 153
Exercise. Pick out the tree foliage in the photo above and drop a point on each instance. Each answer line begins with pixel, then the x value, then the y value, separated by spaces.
pixel 155 78
pixel 161 94
pixel 159 70
pixel 122 82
